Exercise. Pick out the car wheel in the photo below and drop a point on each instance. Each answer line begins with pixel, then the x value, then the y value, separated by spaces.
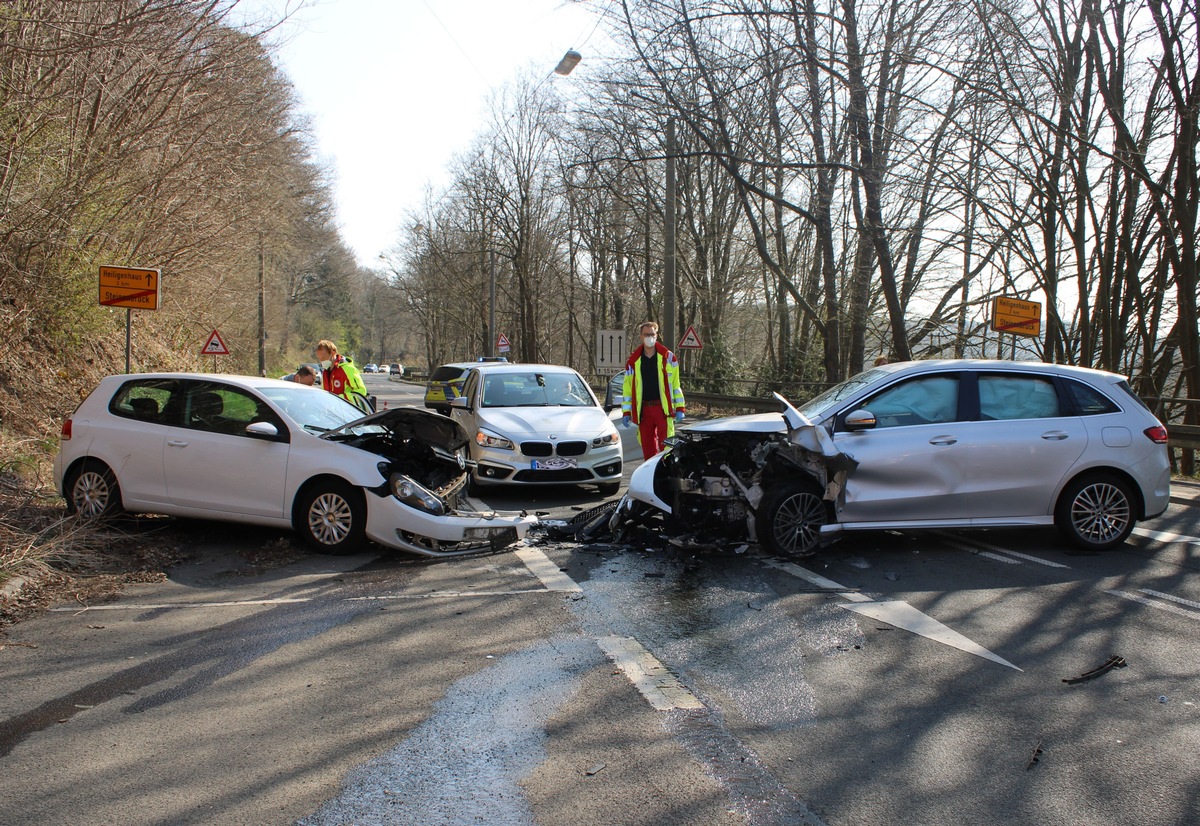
pixel 1095 512
pixel 332 518
pixel 790 519
pixel 92 491
pixel 609 488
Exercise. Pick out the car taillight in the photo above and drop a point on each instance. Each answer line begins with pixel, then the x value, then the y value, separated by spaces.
pixel 65 435
pixel 1158 434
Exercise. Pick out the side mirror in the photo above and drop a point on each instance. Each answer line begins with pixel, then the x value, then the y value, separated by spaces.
pixel 860 420
pixel 262 430
pixel 460 402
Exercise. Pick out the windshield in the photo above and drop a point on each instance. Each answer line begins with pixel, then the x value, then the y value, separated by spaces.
pixel 312 408
pixel 817 408
pixel 536 389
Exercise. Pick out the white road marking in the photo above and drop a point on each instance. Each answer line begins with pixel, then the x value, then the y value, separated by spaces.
pixel 1171 598
pixel 658 685
pixel 896 613
pixel 251 602
pixel 1166 536
pixel 448 594
pixel 545 570
pixel 996 552
pixel 236 603
pixel 903 615
pixel 1153 603
pixel 816 579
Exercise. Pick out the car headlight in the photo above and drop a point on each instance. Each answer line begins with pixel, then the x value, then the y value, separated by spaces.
pixel 485 439
pixel 416 496
pixel 606 440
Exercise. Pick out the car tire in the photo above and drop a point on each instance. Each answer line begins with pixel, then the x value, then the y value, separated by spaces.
pixel 92 491
pixel 332 517
pixel 609 488
pixel 790 519
pixel 1096 512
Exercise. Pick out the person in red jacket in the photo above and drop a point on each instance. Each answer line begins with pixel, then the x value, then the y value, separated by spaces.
pixel 340 377
pixel 651 396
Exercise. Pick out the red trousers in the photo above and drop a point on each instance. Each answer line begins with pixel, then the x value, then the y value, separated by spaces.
pixel 652 430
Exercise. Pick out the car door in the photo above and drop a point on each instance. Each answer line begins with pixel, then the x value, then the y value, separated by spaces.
pixel 1023 443
pixel 211 464
pixel 911 464
pixel 133 439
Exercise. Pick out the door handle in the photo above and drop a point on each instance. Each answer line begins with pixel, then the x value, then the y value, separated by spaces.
pixel 1055 436
pixel 177 443
pixel 943 440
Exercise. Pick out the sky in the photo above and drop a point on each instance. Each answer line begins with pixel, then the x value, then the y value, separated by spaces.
pixel 395 88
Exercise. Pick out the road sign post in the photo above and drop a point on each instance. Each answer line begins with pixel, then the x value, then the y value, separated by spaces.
pixel 1016 316
pixel 610 349
pixel 134 288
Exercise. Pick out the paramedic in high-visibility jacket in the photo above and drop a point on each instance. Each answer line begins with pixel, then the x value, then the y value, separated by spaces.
pixel 650 394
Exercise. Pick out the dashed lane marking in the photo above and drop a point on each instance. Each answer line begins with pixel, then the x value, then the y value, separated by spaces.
pixel 816 579
pixel 545 570
pixel 656 683
pixel 1171 598
pixel 996 552
pixel 1154 603
pixel 1166 536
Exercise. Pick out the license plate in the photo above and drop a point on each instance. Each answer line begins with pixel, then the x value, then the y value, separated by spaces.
pixel 557 463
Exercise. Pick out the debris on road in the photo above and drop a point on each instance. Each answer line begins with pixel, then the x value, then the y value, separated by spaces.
pixel 1112 662
pixel 1036 757
pixel 595 770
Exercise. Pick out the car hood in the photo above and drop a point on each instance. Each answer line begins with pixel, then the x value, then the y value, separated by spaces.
pixel 753 423
pixel 417 423
pixel 540 422
pixel 801 431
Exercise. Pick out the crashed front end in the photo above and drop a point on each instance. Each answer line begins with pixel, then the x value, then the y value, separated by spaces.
pixel 710 485
pixel 421 506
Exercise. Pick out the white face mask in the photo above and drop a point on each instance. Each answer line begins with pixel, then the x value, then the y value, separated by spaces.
pixel 326 364
pixel 650 340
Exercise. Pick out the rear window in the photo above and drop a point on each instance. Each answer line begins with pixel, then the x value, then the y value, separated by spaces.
pixel 144 400
pixel 446 373
pixel 1090 402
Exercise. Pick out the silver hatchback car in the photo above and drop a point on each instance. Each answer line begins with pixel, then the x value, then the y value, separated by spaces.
pixel 923 444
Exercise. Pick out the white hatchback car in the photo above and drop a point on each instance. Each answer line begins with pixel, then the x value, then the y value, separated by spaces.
pixel 269 452
pixel 537 424
pixel 922 444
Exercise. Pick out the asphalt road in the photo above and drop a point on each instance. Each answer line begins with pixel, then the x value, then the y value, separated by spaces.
pixel 891 679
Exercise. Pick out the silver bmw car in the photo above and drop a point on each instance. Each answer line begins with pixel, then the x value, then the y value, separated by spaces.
pixel 537 424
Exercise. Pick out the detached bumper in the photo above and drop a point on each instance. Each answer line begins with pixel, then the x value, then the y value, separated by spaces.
pixel 396 525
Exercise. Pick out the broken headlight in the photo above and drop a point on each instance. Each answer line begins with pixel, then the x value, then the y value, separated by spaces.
pixel 416 496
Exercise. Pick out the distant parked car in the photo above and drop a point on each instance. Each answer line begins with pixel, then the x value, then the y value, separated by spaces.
pixel 269 452
pixel 371 367
pixel 446 382
pixel 537 424
pixel 396 370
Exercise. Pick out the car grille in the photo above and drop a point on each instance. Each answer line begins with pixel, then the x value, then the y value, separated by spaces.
pixel 572 448
pixel 565 475
pixel 547 448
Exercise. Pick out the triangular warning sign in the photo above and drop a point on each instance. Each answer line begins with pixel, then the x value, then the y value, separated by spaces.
pixel 503 345
pixel 690 340
pixel 215 346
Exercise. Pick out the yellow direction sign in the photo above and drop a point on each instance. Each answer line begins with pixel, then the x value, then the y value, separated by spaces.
pixel 130 287
pixel 1016 316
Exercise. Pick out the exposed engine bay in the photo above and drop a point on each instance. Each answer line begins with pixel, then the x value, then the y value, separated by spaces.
pixel 426 447
pixel 767 478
